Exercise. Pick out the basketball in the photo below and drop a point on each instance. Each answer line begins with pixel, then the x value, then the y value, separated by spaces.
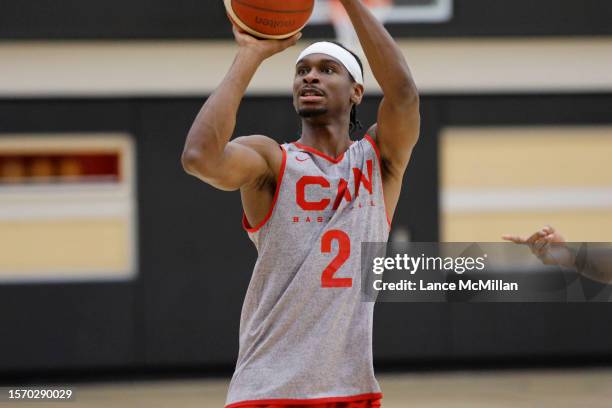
pixel 270 19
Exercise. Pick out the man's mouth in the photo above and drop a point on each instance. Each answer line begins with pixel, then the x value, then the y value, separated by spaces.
pixel 310 99
pixel 311 95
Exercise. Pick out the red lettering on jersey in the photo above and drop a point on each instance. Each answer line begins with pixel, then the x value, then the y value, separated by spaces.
pixel 296 219
pixel 307 219
pixel 319 219
pixel 360 178
pixel 301 193
pixel 342 193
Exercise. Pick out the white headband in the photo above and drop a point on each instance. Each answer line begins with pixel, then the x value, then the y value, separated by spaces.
pixel 333 50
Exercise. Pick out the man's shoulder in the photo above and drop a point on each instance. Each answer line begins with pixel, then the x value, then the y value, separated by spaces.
pixel 257 142
pixel 265 146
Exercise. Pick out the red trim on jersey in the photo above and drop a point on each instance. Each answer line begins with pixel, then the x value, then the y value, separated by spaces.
pixel 373 143
pixel 367 403
pixel 321 154
pixel 281 172
pixel 315 401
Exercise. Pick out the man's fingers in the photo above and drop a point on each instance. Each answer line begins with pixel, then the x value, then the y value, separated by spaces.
pixel 514 238
pixel 292 40
pixel 540 244
pixel 532 238
pixel 239 33
pixel 535 236
pixel 237 30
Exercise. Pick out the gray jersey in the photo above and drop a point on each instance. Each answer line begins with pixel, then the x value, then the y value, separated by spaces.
pixel 304 332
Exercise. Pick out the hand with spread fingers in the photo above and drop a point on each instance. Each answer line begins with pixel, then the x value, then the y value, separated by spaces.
pixel 548 245
pixel 265 48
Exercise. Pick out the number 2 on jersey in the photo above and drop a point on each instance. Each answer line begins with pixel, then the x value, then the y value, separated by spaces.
pixel 344 251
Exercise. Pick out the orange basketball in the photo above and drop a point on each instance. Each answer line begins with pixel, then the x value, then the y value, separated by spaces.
pixel 271 19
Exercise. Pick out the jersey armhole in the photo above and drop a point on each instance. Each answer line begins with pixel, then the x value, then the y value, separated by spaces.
pixel 281 172
pixel 378 159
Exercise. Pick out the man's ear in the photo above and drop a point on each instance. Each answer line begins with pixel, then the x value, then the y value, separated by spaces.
pixel 357 95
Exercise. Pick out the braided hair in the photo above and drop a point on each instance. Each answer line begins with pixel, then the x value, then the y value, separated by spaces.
pixel 354 122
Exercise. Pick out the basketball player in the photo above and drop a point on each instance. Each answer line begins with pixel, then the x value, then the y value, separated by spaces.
pixel 305 335
pixel 551 248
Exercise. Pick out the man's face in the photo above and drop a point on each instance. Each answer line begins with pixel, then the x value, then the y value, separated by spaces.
pixel 323 86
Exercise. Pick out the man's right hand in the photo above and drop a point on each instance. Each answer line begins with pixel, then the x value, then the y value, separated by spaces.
pixel 548 245
pixel 263 48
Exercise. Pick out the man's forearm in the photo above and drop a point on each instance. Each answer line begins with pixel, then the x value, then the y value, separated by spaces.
pixel 215 123
pixel 384 56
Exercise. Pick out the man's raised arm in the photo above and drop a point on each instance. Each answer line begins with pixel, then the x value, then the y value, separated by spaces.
pixel 398 123
pixel 208 153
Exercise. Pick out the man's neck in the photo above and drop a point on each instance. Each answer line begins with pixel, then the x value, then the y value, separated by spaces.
pixel 333 140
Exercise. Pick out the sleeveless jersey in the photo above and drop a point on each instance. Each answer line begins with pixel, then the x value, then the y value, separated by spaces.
pixel 305 333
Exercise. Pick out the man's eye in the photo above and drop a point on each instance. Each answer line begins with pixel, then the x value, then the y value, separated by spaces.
pixel 301 71
pixel 329 70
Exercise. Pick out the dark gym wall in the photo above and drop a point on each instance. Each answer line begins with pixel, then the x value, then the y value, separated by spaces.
pixel 67 326
pixel 195 261
pixel 193 19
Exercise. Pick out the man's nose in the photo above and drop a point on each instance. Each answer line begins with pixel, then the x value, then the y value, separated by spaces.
pixel 311 77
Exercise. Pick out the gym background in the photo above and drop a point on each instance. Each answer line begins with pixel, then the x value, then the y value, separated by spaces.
pixel 116 263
